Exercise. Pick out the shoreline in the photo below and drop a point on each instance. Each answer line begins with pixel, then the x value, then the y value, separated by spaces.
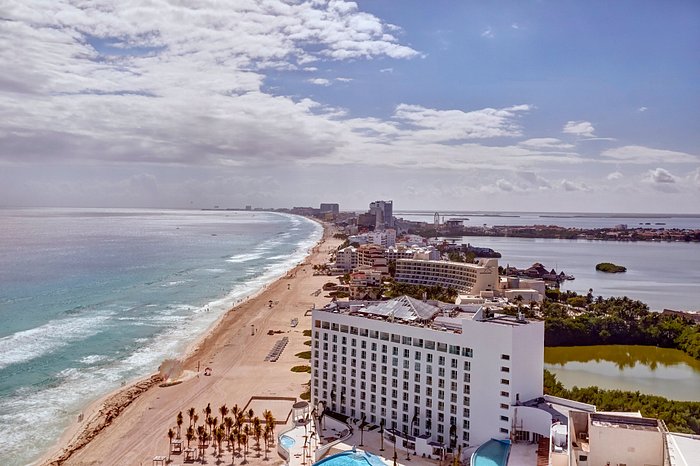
pixel 100 414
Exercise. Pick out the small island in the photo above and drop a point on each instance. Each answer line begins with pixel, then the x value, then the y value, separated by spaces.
pixel 610 268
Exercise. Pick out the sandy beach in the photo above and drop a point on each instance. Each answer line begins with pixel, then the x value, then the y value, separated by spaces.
pixel 129 427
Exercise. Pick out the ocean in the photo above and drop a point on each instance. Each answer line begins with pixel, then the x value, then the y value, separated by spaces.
pixel 91 299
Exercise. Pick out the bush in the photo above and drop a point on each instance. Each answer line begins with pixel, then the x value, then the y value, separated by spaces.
pixel 303 368
pixel 307 333
pixel 307 342
pixel 610 268
pixel 304 355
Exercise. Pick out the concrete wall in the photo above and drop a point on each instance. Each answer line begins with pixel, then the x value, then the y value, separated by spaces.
pixel 629 446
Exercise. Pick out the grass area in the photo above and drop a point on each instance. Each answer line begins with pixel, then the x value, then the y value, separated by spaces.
pixel 307 342
pixel 307 333
pixel 306 396
pixel 302 368
pixel 304 355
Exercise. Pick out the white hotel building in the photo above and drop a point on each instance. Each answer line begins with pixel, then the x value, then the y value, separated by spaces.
pixel 434 372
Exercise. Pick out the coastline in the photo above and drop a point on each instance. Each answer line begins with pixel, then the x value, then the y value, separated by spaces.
pixel 117 405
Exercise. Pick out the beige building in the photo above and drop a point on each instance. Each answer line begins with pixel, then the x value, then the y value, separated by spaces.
pixel 465 278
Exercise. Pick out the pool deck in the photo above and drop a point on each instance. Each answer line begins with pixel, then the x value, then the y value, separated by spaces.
pixel 371 443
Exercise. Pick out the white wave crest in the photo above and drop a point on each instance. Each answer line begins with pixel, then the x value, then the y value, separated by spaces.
pixel 33 343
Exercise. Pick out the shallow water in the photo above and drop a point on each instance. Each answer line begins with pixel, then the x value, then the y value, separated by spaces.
pixel 91 299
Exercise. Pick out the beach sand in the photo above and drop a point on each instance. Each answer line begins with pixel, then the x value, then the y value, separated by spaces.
pixel 129 427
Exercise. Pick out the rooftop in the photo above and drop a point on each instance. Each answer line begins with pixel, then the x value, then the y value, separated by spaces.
pixel 624 422
pixel 434 314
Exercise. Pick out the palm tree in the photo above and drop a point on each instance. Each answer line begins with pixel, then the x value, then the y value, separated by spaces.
pixel 246 434
pixel 266 436
pixel 243 438
pixel 191 414
pixel 270 422
pixel 214 422
pixel 189 435
pixel 223 409
pixel 251 413
pixel 171 434
pixel 195 418
pixel 232 439
pixel 219 437
pixel 228 422
pixel 257 431
pixel 179 423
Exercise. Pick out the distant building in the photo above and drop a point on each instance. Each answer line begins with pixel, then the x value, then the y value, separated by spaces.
pixel 330 208
pixel 248 207
pixel 383 212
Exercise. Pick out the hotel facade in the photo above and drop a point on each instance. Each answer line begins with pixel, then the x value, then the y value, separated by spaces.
pixel 463 277
pixel 430 372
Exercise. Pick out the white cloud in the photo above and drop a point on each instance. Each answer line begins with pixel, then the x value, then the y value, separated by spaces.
pixel 310 68
pixel 505 185
pixel 615 176
pixel 642 109
pixel 568 185
pixel 319 81
pixel 660 176
pixel 546 144
pixel 451 125
pixel 386 70
pixel 535 180
pixel 579 128
pixel 696 176
pixel 344 80
pixel 488 33
pixel 515 26
pixel 643 155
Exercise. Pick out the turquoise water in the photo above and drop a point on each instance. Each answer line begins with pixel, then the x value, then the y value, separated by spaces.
pixel 492 453
pixel 287 442
pixel 350 458
pixel 91 299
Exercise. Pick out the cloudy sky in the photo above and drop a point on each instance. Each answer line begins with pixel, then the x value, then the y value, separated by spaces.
pixel 523 105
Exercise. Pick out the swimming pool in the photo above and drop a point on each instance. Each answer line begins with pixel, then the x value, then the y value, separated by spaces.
pixel 287 442
pixel 492 453
pixel 351 458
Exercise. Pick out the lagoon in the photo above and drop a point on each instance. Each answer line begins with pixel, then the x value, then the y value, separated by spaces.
pixel 662 275
pixel 655 371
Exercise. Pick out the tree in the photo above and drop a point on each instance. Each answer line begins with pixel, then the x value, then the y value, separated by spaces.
pixel 219 438
pixel 191 414
pixel 171 435
pixel 257 431
pixel 189 435
pixel 179 423
pixel 232 440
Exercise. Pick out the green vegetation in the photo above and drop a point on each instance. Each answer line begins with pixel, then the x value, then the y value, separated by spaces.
pixel 302 368
pixel 610 268
pixel 307 333
pixel 307 342
pixel 395 289
pixel 306 396
pixel 340 236
pixel 679 416
pixel 304 355
pixel 614 321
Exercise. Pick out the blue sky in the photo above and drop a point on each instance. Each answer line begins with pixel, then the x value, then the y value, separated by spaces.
pixel 522 105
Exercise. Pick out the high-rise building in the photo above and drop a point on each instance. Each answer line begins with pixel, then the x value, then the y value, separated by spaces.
pixel 431 372
pixel 384 214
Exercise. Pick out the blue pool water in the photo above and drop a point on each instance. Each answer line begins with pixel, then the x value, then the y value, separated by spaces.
pixel 287 442
pixel 351 458
pixel 492 453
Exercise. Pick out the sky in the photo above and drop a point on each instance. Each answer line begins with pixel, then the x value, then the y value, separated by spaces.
pixel 524 105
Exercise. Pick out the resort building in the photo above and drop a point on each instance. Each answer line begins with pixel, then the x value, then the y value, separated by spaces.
pixel 433 373
pixel 465 278
pixel 345 260
pixel 372 256
pixel 415 252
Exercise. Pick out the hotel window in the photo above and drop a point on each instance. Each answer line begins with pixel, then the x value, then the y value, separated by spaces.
pixel 429 380
pixel 384 359
pixel 441 394
pixel 453 408
pixel 429 391
pixel 373 357
pixel 344 360
pixel 441 417
pixel 441 371
pixel 453 363
pixel 394 351
pixel 441 360
pixel 505 369
pixel 467 352
pixel 428 369
pixel 335 337
pixel 503 431
pixel 453 398
pixel 353 352
pixel 467 377
pixel 505 381
pixel 505 357
pixel 429 358
pixel 374 346
pixel 325 347
pixel 394 404
pixel 343 370
pixel 383 390
pixel 373 398
pixel 353 341
pixel 363 345
pixel 506 394
pixel 394 383
pixel 440 429
pixel 405 385
pixel 416 399
pixel 353 372
pixel 428 403
pixel 465 412
pixel 406 340
pixel 504 418
pixel 352 391
pixel 467 365
pixel 441 383
pixel 465 402
pixel 504 406
pixel 465 424
pixel 394 393
pixel 383 411
pixel 417 355
pixel 363 365
pixel 394 372
pixel 453 375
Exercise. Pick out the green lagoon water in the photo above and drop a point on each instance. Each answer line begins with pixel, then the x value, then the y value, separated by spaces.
pixel 656 371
